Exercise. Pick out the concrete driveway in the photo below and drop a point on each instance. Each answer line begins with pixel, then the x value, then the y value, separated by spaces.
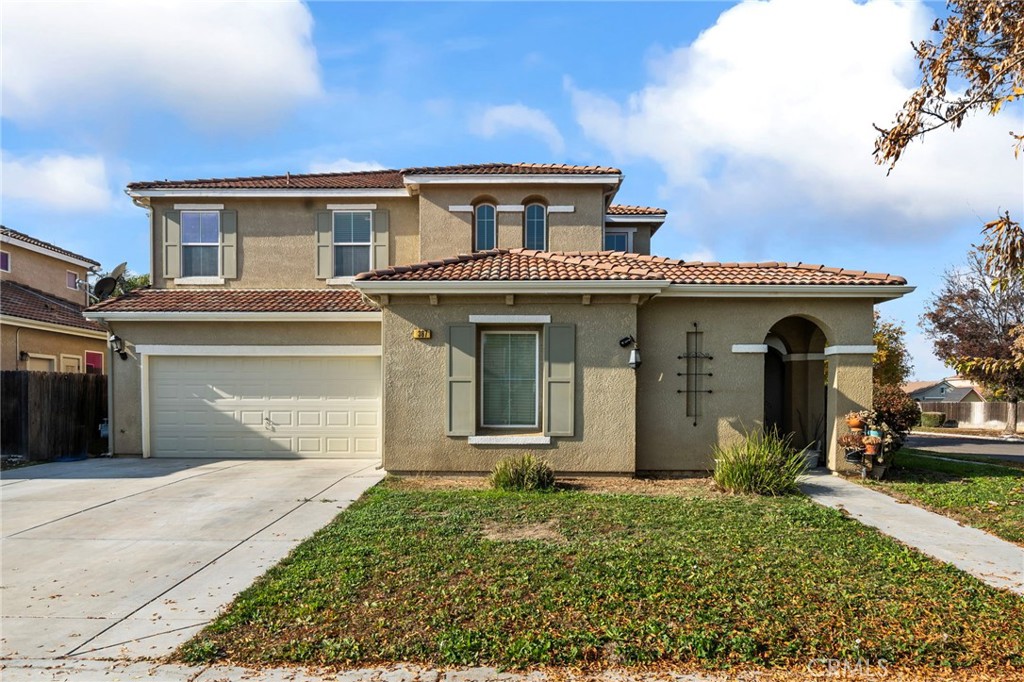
pixel 129 557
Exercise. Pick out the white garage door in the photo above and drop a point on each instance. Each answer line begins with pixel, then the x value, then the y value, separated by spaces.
pixel 264 406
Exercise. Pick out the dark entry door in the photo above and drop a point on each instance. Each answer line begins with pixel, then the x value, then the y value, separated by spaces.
pixel 774 390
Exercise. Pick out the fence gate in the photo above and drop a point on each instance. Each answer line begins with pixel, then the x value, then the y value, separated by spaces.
pixel 49 414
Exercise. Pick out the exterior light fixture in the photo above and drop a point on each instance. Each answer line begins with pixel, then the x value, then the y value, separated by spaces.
pixel 634 353
pixel 117 345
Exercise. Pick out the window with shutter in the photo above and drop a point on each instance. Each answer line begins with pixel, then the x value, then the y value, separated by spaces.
pixel 509 379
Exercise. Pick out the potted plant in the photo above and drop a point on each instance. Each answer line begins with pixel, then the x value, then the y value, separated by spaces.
pixel 855 420
pixel 871 444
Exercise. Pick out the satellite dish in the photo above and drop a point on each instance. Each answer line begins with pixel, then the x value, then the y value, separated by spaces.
pixel 118 271
pixel 104 288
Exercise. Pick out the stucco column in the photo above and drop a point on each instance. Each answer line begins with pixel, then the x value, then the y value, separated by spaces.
pixel 849 381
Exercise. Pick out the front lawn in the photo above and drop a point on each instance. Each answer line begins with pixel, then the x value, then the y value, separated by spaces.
pixel 463 577
pixel 986 496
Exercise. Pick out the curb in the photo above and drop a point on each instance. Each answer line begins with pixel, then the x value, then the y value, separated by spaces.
pixel 999 439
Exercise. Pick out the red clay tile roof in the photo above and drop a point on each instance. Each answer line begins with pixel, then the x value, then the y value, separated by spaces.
pixel 383 179
pixel 237 301
pixel 524 265
pixel 624 209
pixel 21 236
pixel 380 179
pixel 512 169
pixel 18 300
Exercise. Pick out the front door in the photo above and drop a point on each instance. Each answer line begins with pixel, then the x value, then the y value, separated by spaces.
pixel 774 390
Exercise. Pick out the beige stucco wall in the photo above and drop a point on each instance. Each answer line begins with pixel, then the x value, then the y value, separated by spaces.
pixel 43 272
pixel 415 405
pixel 277 239
pixel 445 233
pixel 666 439
pixel 39 342
pixel 126 375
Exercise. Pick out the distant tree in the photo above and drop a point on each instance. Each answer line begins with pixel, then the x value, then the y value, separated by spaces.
pixel 980 47
pixel 130 281
pixel 891 365
pixel 975 328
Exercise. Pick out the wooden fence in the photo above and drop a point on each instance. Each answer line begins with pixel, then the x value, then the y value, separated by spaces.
pixel 49 414
pixel 980 415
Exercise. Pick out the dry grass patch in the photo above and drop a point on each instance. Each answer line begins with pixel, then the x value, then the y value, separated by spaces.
pixel 698 486
pixel 502 532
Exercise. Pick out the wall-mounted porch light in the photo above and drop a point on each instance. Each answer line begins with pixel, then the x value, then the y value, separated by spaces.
pixel 634 353
pixel 117 345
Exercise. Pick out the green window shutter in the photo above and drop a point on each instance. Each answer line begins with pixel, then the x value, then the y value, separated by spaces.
pixel 559 379
pixel 381 229
pixel 229 244
pixel 172 243
pixel 324 245
pixel 461 380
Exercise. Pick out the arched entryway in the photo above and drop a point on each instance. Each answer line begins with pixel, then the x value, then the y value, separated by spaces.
pixel 795 381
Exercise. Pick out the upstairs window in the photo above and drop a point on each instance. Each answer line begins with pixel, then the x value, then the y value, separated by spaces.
pixel 352 234
pixel 5 261
pixel 200 243
pixel 618 240
pixel 535 227
pixel 484 227
pixel 71 279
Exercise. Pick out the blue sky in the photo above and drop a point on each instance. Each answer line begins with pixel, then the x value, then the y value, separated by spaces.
pixel 751 123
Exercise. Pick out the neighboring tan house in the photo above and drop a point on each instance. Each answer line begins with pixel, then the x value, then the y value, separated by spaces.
pixel 443 318
pixel 41 301
pixel 944 391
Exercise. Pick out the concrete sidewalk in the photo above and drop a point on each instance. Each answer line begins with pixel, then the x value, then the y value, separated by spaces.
pixel 996 562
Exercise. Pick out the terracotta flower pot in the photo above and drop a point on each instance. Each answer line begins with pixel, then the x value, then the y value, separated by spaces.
pixel 870 448
pixel 855 423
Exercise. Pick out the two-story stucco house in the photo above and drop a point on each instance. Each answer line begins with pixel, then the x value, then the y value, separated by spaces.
pixel 42 295
pixel 442 318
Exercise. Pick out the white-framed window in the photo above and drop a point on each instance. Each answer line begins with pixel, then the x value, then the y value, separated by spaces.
pixel 618 239
pixel 200 243
pixel 71 279
pixel 5 261
pixel 535 227
pixel 353 231
pixel 485 226
pixel 509 379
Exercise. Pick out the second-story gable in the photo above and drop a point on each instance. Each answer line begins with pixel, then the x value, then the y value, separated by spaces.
pixel 43 266
pixel 312 231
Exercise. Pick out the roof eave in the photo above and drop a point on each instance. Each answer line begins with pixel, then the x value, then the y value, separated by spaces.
pixel 417 180
pixel 254 192
pixel 213 316
pixel 574 287
pixel 877 292
pixel 80 261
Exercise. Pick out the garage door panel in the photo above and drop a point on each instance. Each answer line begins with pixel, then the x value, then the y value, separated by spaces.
pixel 217 406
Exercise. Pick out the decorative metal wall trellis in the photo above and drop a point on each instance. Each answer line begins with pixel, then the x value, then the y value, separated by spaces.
pixel 695 373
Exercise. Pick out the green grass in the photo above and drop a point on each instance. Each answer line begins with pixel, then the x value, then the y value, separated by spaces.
pixel 711 580
pixel 978 494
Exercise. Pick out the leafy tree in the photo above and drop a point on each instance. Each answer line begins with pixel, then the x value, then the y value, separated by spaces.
pixel 130 281
pixel 891 365
pixel 975 329
pixel 980 44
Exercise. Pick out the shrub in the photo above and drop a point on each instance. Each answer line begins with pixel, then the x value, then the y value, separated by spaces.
pixel 525 472
pixel 895 408
pixel 933 418
pixel 764 463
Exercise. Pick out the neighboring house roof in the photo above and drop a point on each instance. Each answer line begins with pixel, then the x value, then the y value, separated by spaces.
pixel 377 179
pixel 16 236
pixel 623 209
pixel 527 265
pixel 18 300
pixel 237 301
pixel 916 386
pixel 958 393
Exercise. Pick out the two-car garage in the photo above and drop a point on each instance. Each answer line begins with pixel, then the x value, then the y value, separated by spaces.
pixel 261 406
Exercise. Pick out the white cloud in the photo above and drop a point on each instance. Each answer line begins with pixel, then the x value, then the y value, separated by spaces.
pixel 343 165
pixel 60 182
pixel 217 64
pixel 702 254
pixel 519 118
pixel 772 108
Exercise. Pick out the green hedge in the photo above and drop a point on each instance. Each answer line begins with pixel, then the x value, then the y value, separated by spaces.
pixel 933 418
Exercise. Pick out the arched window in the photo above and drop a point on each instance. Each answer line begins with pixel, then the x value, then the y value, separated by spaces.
pixel 535 227
pixel 484 227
